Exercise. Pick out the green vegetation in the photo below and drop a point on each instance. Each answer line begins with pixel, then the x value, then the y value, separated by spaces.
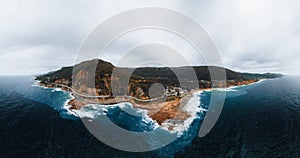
pixel 143 77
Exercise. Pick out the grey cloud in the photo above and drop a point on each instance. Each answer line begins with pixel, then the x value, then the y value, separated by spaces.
pixel 254 36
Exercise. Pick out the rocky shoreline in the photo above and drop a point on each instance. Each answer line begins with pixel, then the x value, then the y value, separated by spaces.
pixel 160 110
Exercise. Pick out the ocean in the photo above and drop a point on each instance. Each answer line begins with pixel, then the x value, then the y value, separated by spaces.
pixel 257 120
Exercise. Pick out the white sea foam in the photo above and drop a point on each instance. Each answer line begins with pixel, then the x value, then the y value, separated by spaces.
pixel 36 82
pixel 229 89
pixel 93 111
pixel 57 90
pixel 67 107
pixel 192 108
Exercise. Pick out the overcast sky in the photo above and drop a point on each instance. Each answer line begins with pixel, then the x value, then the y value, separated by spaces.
pixel 251 35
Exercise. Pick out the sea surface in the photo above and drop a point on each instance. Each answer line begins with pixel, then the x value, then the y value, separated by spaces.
pixel 257 120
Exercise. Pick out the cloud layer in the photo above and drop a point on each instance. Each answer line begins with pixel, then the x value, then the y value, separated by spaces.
pixel 251 35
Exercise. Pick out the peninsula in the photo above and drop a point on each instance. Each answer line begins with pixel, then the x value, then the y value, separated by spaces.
pixel 90 82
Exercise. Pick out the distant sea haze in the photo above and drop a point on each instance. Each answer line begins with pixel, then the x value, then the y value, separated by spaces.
pixel 258 120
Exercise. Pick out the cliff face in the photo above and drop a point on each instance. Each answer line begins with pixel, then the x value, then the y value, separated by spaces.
pixel 95 78
pixel 97 73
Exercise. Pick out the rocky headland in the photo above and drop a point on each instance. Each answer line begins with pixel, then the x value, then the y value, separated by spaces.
pixel 162 103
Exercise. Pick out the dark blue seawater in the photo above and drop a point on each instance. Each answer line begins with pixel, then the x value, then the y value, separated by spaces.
pixel 259 120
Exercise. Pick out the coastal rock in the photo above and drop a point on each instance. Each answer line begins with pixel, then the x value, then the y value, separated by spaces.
pixel 90 82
